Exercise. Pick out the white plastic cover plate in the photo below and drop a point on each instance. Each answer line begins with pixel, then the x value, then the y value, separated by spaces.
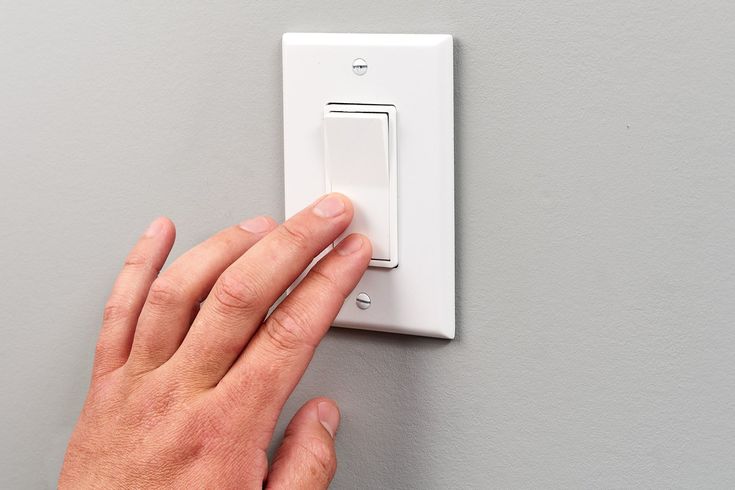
pixel 413 74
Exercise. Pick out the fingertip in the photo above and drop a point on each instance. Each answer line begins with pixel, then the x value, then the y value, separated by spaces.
pixel 321 409
pixel 169 225
pixel 344 198
pixel 353 244
pixel 307 457
pixel 259 225
pixel 329 415
pixel 332 205
pixel 160 226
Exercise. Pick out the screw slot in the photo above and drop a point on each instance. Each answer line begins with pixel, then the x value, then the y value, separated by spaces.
pixel 359 66
pixel 363 301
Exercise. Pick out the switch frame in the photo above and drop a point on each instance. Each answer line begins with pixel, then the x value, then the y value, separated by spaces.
pixel 413 72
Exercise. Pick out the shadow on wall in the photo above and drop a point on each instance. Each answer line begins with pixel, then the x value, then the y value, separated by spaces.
pixel 377 367
pixel 365 370
pixel 387 384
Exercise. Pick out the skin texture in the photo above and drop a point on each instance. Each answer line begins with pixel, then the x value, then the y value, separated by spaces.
pixel 190 375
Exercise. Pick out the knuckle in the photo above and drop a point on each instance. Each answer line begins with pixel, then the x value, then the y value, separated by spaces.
pixel 165 292
pixel 258 468
pixel 320 457
pixel 237 292
pixel 105 388
pixel 116 310
pixel 325 282
pixel 136 260
pixel 286 329
pixel 102 356
pixel 295 234
pixel 148 405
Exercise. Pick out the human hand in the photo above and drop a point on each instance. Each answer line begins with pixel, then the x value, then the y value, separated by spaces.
pixel 189 396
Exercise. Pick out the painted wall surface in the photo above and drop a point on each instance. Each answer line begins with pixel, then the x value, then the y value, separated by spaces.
pixel 595 184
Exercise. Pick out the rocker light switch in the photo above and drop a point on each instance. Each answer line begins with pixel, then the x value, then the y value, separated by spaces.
pixel 359 160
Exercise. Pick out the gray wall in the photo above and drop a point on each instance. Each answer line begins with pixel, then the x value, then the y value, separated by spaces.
pixel 595 198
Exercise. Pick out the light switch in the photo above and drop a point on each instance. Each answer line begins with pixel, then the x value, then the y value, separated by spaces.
pixel 372 116
pixel 359 160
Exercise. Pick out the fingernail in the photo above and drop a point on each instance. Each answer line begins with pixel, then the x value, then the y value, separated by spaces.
pixel 349 245
pixel 328 416
pixel 154 228
pixel 257 225
pixel 329 207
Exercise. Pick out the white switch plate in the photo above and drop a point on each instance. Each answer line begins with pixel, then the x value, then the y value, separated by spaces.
pixel 414 73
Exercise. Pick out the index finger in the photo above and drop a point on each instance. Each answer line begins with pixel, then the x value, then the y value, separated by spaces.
pixel 243 294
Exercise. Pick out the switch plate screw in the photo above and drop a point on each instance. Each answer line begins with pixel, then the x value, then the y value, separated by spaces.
pixel 363 301
pixel 359 66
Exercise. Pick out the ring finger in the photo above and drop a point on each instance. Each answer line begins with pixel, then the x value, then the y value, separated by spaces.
pixel 176 293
